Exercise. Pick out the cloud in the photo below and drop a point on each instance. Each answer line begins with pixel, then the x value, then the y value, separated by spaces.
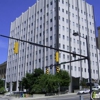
pixel 3 44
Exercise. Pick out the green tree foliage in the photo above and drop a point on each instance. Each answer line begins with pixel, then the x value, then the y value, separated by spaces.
pixel 46 83
pixel 1 83
pixel 2 89
pixel 38 72
pixel 30 79
pixel 38 82
pixel 64 77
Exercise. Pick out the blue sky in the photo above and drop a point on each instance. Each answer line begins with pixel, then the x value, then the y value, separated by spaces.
pixel 10 9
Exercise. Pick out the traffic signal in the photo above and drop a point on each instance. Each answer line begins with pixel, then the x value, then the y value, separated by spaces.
pixel 57 69
pixel 57 56
pixel 16 47
pixel 74 54
pixel 47 71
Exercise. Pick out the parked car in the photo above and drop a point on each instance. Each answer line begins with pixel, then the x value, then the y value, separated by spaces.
pixel 95 88
pixel 84 91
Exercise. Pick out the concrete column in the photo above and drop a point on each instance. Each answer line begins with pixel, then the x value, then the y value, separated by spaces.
pixel 70 87
pixel 6 86
pixel 17 85
pixel 80 87
pixel 10 86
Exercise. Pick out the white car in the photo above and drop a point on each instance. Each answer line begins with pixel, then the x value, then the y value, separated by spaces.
pixel 84 91
pixel 95 88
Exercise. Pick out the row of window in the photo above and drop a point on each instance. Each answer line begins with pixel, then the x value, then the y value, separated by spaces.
pixel 77 25
pixel 76 8
pixel 73 15
pixel 68 68
pixel 3 71
pixel 78 69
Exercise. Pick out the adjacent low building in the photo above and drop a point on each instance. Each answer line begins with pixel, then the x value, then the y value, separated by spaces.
pixel 3 70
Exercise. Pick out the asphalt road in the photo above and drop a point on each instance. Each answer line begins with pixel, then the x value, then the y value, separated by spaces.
pixel 3 99
pixel 70 97
pixel 64 97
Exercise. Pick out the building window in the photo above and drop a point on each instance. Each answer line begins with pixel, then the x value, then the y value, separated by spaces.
pixel 63 37
pixel 50 20
pixel 62 19
pixel 63 56
pixel 73 14
pixel 66 12
pixel 30 63
pixel 62 1
pixel 50 28
pixel 78 68
pixel 63 27
pixel 51 3
pixel 75 68
pixel 68 67
pixel 63 66
pixel 50 37
pixel 62 10
pixel 50 56
pixel 63 46
pixel 39 60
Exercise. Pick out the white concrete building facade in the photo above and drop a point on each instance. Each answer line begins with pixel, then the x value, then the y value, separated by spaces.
pixel 38 25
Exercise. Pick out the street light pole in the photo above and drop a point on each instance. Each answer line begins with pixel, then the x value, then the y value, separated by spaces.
pixel 89 66
pixel 88 59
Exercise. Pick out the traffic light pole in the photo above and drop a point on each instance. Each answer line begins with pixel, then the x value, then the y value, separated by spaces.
pixel 57 32
pixel 89 66
pixel 88 59
pixel 67 62
pixel 41 45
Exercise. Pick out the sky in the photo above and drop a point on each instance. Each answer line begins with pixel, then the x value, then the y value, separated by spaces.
pixel 10 9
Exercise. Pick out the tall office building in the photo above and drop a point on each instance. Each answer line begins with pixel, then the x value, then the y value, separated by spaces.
pixel 39 25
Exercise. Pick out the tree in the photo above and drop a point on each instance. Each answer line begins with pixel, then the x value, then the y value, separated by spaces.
pixel 38 72
pixel 30 78
pixel 46 83
pixel 38 82
pixel 64 77
pixel 2 88
pixel 1 83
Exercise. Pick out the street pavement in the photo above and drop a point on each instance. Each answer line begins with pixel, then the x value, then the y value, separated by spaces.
pixel 3 98
pixel 57 97
pixel 72 96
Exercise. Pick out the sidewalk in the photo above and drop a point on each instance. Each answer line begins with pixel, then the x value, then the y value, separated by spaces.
pixel 34 98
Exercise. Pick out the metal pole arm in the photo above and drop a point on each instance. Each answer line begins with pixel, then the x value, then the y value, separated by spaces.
pixel 40 45
pixel 67 62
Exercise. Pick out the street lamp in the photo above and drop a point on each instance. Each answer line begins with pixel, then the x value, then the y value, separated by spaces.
pixel 88 58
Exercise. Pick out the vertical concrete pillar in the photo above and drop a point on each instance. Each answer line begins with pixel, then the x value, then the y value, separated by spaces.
pixel 6 86
pixel 10 87
pixel 17 86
